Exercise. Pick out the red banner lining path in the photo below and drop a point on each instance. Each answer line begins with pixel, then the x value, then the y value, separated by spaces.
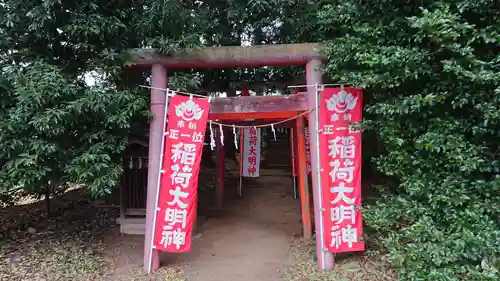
pixel 340 151
pixel 177 198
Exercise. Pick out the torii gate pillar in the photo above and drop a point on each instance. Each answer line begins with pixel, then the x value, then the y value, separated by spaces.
pixel 313 76
pixel 159 80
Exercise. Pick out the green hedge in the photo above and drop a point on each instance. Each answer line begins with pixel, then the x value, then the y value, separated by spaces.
pixel 431 71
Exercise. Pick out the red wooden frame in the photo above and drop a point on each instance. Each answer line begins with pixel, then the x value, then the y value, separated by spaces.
pixel 270 107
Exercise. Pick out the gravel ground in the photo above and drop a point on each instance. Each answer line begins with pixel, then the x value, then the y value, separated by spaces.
pixel 74 244
pixel 66 246
pixel 352 267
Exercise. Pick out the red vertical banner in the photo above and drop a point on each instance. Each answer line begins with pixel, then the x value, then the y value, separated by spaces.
pixel 307 146
pixel 242 135
pixel 251 152
pixel 340 154
pixel 183 145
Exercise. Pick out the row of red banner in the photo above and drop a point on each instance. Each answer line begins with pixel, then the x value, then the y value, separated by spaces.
pixel 339 147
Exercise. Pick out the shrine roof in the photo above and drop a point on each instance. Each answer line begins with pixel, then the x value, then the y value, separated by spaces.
pixel 258 107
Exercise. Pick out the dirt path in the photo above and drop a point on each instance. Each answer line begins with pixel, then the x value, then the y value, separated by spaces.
pixel 248 241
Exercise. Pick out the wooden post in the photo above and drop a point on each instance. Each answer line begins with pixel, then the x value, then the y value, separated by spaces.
pixel 293 159
pixel 219 192
pixel 123 199
pixel 159 80
pixel 313 77
pixel 303 179
pixel 293 153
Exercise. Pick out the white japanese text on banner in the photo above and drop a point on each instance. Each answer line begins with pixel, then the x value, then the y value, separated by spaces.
pixel 183 145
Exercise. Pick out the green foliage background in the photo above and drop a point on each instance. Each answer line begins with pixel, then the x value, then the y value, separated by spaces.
pixel 432 75
pixel 430 69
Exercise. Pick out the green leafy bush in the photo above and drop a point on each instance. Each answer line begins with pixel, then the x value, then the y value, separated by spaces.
pixel 55 131
pixel 431 71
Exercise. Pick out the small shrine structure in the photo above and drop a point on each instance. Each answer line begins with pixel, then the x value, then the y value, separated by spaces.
pixel 239 110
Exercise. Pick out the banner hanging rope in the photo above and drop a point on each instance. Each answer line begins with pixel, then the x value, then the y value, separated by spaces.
pixel 177 92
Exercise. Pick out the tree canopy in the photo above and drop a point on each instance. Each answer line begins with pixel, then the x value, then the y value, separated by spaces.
pixel 430 70
pixel 52 49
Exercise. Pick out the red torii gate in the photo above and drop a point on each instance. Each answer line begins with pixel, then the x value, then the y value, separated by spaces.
pixel 240 108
